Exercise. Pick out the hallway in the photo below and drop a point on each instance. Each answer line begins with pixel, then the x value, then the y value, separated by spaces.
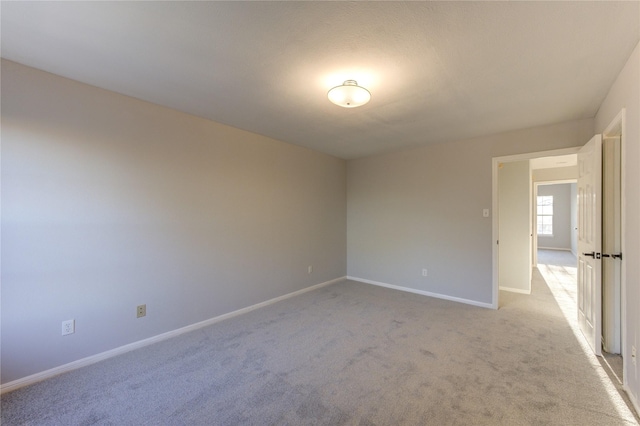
pixel 558 269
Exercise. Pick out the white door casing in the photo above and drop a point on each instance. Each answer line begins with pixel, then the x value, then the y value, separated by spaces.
pixel 589 242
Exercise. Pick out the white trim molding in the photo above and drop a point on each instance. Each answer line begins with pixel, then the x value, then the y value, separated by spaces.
pixel 515 290
pixel 555 248
pixel 632 397
pixel 423 292
pixel 38 377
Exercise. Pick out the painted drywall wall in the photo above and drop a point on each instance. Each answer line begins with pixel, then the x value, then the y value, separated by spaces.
pixel 422 208
pixel 561 238
pixel 625 93
pixel 573 198
pixel 555 173
pixel 514 213
pixel 109 202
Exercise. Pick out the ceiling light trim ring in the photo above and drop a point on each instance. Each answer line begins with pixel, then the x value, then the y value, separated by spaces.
pixel 349 95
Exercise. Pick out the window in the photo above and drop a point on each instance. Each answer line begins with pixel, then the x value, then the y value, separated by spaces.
pixel 545 215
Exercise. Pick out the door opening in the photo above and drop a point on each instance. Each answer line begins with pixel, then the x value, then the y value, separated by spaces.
pixel 525 238
pixel 602 302
pixel 555 214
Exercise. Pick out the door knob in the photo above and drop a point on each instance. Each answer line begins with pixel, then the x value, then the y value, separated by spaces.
pixel 613 256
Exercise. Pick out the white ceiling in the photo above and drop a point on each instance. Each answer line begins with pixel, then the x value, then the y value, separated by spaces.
pixel 437 71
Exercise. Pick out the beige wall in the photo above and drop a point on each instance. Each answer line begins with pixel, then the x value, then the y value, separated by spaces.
pixel 514 213
pixel 625 93
pixel 422 208
pixel 109 202
pixel 555 173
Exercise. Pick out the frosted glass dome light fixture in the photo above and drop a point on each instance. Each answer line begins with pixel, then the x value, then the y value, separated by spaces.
pixel 349 95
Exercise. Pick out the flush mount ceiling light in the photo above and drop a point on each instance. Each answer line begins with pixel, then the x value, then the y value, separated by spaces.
pixel 349 95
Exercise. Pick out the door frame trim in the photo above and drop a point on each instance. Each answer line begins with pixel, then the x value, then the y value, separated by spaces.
pixel 495 162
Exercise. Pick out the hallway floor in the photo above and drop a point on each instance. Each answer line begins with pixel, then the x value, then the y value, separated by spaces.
pixel 559 269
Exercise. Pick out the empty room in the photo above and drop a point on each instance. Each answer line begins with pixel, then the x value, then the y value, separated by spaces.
pixel 319 213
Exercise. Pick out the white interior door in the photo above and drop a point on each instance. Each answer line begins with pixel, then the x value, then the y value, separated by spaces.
pixel 589 241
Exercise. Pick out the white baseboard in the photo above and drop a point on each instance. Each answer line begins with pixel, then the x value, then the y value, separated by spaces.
pixel 38 377
pixel 515 290
pixel 554 248
pixel 424 293
pixel 632 398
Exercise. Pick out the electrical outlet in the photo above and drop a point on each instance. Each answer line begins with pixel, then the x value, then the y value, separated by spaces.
pixel 68 327
pixel 425 272
pixel 310 269
pixel 141 311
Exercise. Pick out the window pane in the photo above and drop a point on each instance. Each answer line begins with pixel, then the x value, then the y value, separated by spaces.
pixel 545 200
pixel 545 225
pixel 545 214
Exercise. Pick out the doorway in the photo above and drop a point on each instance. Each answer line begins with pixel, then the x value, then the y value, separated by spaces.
pixel 611 311
pixel 555 214
pixel 551 160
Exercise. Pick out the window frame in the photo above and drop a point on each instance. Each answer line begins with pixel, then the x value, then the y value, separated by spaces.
pixel 544 211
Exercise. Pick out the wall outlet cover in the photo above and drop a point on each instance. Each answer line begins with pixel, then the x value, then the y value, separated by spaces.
pixel 141 311
pixel 68 327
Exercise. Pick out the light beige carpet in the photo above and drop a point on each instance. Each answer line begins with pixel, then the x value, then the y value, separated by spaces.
pixel 351 354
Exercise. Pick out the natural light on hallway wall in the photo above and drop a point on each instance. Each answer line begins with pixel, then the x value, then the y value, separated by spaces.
pixel 349 95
